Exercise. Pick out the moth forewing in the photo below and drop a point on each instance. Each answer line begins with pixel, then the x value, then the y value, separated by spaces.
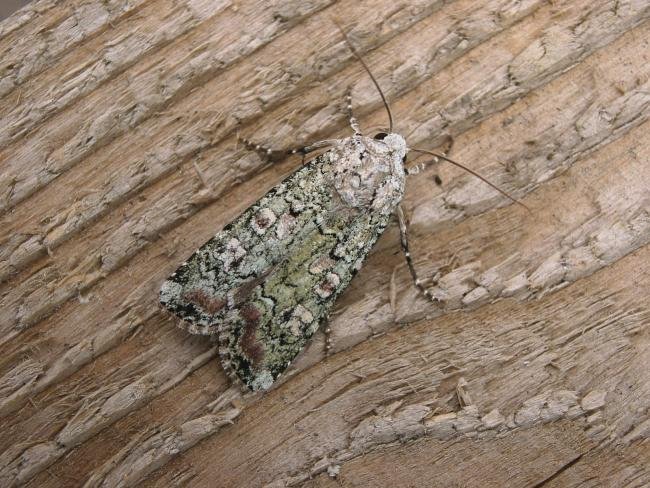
pixel 269 278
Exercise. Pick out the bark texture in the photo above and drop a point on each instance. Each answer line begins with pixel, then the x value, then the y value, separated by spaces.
pixel 118 159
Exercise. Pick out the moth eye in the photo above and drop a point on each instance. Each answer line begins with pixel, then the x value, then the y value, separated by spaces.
pixel 380 136
pixel 404 159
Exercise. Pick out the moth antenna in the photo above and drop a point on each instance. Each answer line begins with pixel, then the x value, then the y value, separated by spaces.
pixel 472 172
pixel 365 66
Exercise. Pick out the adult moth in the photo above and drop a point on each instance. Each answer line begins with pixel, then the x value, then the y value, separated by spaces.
pixel 266 282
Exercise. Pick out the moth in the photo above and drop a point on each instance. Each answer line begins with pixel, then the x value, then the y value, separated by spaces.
pixel 266 282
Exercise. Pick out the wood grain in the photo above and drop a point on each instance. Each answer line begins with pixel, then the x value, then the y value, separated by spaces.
pixel 118 158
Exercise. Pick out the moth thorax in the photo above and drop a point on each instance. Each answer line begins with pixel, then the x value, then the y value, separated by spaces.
pixel 368 174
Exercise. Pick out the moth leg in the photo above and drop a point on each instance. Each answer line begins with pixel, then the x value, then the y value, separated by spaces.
pixel 414 170
pixel 274 155
pixel 304 150
pixel 264 152
pixel 354 123
pixel 328 339
pixel 404 240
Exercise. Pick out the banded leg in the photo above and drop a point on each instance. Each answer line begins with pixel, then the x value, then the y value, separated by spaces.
pixel 414 170
pixel 277 155
pixel 404 240
pixel 328 340
pixel 354 123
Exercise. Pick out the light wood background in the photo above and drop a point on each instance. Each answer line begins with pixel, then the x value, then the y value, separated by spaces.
pixel 8 7
pixel 118 159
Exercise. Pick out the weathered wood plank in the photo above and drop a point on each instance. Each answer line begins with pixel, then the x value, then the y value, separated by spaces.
pixel 118 160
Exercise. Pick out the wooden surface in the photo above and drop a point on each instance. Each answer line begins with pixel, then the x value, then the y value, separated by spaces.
pixel 118 159
pixel 8 7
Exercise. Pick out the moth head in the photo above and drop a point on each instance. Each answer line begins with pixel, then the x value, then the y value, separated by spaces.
pixel 395 143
